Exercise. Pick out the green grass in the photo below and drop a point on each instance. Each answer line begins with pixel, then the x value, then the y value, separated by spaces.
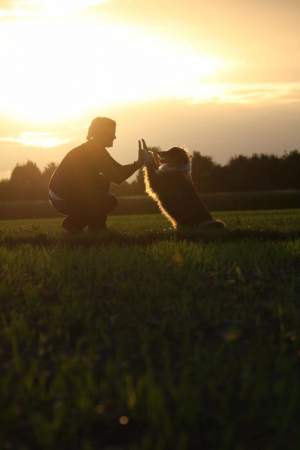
pixel 142 204
pixel 144 339
pixel 275 224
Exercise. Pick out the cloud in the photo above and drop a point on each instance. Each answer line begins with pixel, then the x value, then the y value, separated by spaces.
pixel 5 174
pixel 247 93
pixel 36 139
pixel 40 147
pixel 14 9
pixel 32 8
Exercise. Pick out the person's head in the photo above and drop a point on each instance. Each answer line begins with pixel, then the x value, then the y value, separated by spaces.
pixel 102 131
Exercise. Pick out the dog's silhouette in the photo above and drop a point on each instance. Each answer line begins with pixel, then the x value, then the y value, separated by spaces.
pixel 168 181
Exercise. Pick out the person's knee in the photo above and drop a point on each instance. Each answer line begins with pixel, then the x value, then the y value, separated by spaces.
pixel 59 205
pixel 100 204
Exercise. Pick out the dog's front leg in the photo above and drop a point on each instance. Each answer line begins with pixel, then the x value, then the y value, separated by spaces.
pixel 152 175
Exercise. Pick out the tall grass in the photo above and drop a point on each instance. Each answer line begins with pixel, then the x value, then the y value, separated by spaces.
pixel 150 344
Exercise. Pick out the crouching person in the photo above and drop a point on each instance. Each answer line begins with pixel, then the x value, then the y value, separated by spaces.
pixel 79 187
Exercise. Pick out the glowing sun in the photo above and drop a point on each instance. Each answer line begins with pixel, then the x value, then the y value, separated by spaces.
pixel 55 68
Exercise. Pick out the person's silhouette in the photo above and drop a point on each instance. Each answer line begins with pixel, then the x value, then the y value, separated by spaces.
pixel 79 187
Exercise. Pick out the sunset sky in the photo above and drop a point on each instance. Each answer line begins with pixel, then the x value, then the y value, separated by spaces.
pixel 221 77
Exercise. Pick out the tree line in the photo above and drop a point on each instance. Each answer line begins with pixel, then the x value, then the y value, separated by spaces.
pixel 258 172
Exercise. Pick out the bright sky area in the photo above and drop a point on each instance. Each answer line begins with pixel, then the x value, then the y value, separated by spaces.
pixel 218 77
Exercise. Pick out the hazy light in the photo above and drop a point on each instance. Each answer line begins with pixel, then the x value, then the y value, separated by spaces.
pixel 56 70
pixel 62 7
pixel 245 93
pixel 58 8
pixel 5 174
pixel 36 139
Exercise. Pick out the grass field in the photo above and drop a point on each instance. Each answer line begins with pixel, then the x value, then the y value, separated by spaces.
pixel 143 339
pixel 142 204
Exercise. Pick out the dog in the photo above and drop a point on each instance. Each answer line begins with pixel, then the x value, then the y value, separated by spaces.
pixel 167 176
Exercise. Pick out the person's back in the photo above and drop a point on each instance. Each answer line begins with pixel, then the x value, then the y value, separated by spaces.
pixel 78 173
pixel 79 187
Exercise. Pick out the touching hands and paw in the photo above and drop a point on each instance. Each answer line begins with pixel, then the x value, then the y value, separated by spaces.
pixel 144 154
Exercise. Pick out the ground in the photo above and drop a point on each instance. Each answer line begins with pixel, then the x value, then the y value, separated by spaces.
pixel 144 339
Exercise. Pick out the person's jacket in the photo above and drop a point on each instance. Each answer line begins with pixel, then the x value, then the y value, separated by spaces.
pixel 87 168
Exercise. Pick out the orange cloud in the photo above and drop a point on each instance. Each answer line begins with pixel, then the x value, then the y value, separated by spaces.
pixel 36 139
pixel 28 8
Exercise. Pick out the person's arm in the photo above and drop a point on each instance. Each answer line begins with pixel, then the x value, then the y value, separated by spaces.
pixel 115 172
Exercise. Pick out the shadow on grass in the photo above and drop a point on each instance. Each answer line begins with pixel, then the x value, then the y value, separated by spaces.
pixel 143 238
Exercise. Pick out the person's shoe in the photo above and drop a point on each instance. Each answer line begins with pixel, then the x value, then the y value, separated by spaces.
pixel 70 227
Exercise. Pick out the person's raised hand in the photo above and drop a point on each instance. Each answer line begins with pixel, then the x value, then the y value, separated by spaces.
pixel 141 155
pixel 144 156
pixel 144 145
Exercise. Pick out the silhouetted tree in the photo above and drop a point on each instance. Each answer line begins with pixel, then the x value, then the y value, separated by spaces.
pixel 241 173
pixel 26 181
pixel 204 173
pixel 138 184
pixel 48 171
pixel 46 175
pixel 291 169
pixel 6 193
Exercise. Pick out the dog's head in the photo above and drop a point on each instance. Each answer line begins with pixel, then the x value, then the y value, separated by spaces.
pixel 176 158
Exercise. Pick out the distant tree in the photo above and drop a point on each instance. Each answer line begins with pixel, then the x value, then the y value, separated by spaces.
pixel 48 171
pixel 26 181
pixel 241 173
pixel 122 189
pixel 261 172
pixel 138 184
pixel 6 193
pixel 236 173
pixel 204 173
pixel 291 169
pixel 46 175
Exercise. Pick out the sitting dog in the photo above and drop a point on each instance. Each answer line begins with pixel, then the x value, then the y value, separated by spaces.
pixel 168 181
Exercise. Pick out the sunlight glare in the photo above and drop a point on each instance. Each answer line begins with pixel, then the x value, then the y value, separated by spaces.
pixel 59 7
pixel 36 139
pixel 57 70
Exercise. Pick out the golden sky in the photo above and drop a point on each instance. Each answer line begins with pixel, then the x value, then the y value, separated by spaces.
pixel 220 77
